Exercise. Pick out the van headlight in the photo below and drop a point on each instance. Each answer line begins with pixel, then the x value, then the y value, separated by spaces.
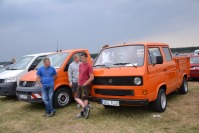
pixel 8 80
pixel 137 80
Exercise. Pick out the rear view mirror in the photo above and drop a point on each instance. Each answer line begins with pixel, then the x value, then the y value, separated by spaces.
pixel 159 59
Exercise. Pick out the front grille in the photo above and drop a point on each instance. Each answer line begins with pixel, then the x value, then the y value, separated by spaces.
pixel 2 81
pixel 114 92
pixel 117 81
pixel 26 83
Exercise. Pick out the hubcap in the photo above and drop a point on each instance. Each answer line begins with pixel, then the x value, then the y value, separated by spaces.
pixel 63 98
pixel 185 86
pixel 163 101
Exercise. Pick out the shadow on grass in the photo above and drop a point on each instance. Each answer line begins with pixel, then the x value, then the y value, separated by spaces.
pixel 194 80
pixel 136 111
pixel 34 106
pixel 8 98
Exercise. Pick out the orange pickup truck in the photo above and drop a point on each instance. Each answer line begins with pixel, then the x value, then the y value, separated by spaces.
pixel 30 91
pixel 138 74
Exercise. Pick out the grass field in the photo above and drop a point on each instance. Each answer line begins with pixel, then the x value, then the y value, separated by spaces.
pixel 181 116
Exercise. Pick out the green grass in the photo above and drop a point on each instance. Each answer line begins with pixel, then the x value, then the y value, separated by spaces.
pixel 181 116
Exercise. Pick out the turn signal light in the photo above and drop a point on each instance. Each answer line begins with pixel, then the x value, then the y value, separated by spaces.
pixel 144 92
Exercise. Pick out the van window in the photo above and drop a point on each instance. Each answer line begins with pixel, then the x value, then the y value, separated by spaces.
pixel 21 63
pixel 71 60
pixel 167 54
pixel 36 62
pixel 56 60
pixel 152 53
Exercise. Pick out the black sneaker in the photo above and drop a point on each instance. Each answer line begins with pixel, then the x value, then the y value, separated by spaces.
pixel 86 112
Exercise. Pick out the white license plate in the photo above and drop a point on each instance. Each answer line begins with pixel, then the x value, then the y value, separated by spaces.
pixel 111 103
pixel 23 96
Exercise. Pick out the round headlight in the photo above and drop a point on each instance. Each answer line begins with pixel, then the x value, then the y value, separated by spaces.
pixel 137 80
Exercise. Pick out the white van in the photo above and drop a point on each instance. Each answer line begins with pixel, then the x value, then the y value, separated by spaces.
pixel 9 79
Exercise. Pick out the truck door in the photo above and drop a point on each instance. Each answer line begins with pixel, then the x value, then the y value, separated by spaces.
pixel 170 70
pixel 156 73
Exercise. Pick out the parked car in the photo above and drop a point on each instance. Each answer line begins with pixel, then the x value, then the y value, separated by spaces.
pixel 138 74
pixel 9 79
pixel 30 91
pixel 194 66
pixel 196 52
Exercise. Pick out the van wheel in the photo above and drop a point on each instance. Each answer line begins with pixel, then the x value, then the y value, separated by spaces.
pixel 159 105
pixel 184 87
pixel 62 97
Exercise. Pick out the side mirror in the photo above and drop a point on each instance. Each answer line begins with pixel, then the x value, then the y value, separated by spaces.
pixel 159 59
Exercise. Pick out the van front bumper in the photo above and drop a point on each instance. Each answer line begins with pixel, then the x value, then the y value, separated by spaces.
pixel 29 94
pixel 125 102
pixel 8 89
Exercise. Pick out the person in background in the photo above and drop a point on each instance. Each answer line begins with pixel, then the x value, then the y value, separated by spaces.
pixel 73 72
pixel 45 78
pixel 84 82
pixel 13 61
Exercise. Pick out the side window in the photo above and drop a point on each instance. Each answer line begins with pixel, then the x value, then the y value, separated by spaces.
pixel 152 53
pixel 70 61
pixel 167 54
pixel 36 62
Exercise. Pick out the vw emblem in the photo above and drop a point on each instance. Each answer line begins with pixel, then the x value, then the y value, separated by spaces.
pixel 24 83
pixel 110 81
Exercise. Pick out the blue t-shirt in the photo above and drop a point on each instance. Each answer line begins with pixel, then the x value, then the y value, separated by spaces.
pixel 46 75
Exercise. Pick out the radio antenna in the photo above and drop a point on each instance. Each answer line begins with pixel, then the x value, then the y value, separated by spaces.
pixel 57 46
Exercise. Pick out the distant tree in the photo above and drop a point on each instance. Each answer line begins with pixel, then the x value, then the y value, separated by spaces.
pixel 184 49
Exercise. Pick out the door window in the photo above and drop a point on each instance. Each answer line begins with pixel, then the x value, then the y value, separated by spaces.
pixel 152 54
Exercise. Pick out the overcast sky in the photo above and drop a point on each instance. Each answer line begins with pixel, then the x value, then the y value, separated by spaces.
pixel 34 26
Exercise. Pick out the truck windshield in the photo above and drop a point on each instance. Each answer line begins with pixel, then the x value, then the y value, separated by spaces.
pixel 121 56
pixel 21 63
pixel 56 60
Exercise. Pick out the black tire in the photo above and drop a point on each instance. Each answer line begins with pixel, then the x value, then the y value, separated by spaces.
pixel 62 97
pixel 159 105
pixel 184 87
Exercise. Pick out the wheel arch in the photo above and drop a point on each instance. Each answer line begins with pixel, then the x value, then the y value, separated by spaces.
pixel 161 86
pixel 63 86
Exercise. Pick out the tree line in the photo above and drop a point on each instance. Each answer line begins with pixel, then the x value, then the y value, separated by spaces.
pixel 184 49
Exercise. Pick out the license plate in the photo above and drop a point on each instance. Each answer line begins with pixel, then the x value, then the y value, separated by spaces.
pixel 111 103
pixel 23 96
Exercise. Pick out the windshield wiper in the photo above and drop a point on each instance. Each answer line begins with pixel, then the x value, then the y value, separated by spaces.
pixel 98 65
pixel 12 69
pixel 101 65
pixel 121 63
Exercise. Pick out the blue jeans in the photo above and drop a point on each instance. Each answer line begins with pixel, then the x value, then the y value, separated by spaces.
pixel 47 97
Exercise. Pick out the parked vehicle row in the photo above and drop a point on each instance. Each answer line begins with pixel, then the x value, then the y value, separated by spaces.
pixel 9 79
pixel 124 75
pixel 29 91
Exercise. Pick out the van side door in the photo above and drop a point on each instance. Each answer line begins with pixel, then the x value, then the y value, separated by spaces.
pixel 170 70
pixel 156 73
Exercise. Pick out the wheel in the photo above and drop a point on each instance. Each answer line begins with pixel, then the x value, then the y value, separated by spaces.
pixel 159 105
pixel 62 97
pixel 184 87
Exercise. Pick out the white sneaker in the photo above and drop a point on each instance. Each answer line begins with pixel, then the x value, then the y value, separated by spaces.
pixel 78 106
